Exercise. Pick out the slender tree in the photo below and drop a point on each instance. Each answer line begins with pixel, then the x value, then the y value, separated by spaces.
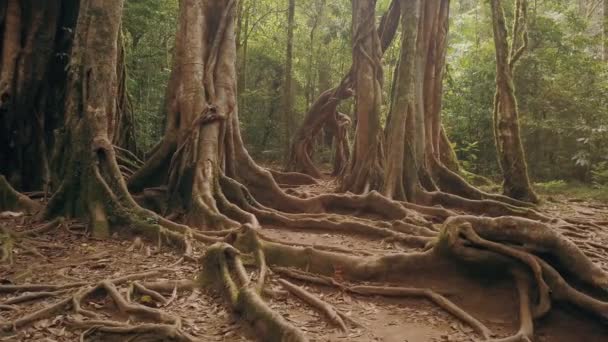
pixel 365 171
pixel 511 156
pixel 288 96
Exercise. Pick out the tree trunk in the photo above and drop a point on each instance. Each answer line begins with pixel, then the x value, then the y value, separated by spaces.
pixel 366 165
pixel 27 97
pixel 91 183
pixel 288 96
pixel 401 174
pixel 323 109
pixel 506 117
pixel 36 42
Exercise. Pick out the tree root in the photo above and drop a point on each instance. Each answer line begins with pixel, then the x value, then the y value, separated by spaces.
pixel 292 178
pixel 74 301
pixel 218 264
pixel 141 332
pixel 11 199
pixel 526 324
pixel 32 296
pixel 319 305
pixel 366 290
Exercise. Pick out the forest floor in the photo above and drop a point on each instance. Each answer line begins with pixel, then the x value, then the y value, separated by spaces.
pixel 68 255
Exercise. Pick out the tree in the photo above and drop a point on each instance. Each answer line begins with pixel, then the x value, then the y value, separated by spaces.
pixel 365 171
pixel 288 95
pixel 506 117
pixel 323 111
pixel 30 66
pixel 203 175
pixel 36 43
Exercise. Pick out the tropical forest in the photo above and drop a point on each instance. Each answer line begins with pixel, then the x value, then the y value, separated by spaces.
pixel 304 170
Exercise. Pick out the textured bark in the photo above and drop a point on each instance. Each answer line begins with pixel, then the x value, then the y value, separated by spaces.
pixel 85 161
pixel 37 38
pixel 202 143
pixel 401 177
pixel 90 185
pixel 509 147
pixel 365 171
pixel 29 39
pixel 124 136
pixel 420 163
pixel 323 110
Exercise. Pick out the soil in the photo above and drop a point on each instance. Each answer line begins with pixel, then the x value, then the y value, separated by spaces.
pixel 69 254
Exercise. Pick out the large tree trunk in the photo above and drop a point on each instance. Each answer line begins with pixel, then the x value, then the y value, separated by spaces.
pixel 30 55
pixel 88 178
pixel 84 156
pixel 417 147
pixel 509 147
pixel 365 171
pixel 323 111
pixel 401 176
pixel 36 41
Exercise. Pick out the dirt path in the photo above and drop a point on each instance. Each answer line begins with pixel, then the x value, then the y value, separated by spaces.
pixel 69 255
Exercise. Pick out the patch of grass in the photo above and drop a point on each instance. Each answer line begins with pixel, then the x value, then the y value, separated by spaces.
pixel 573 189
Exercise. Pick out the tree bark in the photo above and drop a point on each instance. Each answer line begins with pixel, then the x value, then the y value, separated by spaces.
pixel 90 181
pixel 323 109
pixel 30 32
pixel 510 150
pixel 401 177
pixel 365 171
pixel 36 42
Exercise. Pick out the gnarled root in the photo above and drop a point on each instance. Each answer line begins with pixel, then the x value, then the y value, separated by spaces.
pixel 103 329
pixel 219 263
pixel 526 324
pixel 386 291
pixel 292 178
pixel 326 309
pixel 73 301
pixel 473 239
pixel 11 199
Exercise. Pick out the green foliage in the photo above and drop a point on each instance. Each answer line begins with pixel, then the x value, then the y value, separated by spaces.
pixel 599 175
pixel 572 190
pixel 149 27
pixel 561 83
pixel 561 86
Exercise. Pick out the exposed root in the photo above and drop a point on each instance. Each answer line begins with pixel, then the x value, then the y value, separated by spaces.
pixel 142 332
pixel 326 309
pixel 292 178
pixel 366 290
pixel 526 324
pixel 220 261
pixel 73 301
pixel 429 294
pixel 32 296
pixel 151 293
pixel 11 199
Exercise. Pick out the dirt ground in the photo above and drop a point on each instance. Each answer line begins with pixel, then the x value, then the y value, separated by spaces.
pixel 68 254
